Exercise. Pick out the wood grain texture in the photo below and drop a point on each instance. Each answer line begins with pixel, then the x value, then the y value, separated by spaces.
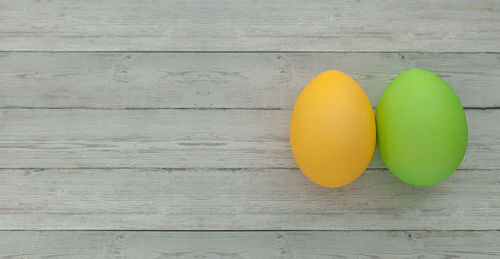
pixel 222 80
pixel 298 25
pixel 173 115
pixel 241 199
pixel 289 244
pixel 180 138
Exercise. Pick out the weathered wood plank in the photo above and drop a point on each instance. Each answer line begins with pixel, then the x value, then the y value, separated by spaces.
pixel 179 138
pixel 222 80
pixel 289 244
pixel 241 199
pixel 250 25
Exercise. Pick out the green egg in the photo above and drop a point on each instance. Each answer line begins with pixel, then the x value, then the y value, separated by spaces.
pixel 421 128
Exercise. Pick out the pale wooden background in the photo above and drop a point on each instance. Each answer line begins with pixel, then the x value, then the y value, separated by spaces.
pixel 150 129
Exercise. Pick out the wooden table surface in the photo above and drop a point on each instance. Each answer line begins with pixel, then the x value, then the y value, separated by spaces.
pixel 159 129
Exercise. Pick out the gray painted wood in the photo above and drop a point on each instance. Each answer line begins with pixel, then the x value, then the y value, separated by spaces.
pixel 249 25
pixel 289 244
pixel 180 138
pixel 241 199
pixel 200 169
pixel 222 80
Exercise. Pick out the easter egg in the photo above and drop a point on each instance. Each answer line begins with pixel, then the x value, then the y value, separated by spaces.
pixel 421 128
pixel 332 130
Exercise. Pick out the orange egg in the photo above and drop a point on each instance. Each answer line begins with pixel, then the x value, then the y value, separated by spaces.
pixel 332 130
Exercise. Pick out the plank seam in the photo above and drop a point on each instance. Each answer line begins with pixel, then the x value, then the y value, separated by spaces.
pixel 140 108
pixel 246 230
pixel 183 108
pixel 199 168
pixel 245 51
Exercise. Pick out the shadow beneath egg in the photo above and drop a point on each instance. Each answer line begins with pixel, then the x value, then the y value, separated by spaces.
pixel 378 195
